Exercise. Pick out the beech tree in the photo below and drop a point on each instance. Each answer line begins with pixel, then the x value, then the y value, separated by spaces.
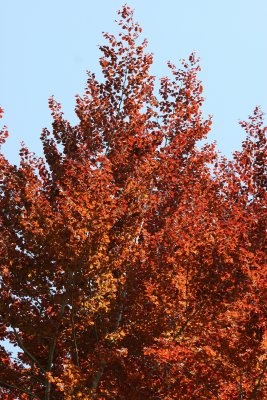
pixel 133 258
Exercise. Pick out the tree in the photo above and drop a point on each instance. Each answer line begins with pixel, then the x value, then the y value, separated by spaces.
pixel 133 260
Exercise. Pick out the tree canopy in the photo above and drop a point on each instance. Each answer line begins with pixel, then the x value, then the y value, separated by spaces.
pixel 132 255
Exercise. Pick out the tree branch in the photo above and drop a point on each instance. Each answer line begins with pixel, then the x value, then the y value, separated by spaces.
pixel 21 345
pixel 74 333
pixel 187 322
pixel 8 386
pixel 191 376
pixel 257 385
pixel 98 375
pixel 52 349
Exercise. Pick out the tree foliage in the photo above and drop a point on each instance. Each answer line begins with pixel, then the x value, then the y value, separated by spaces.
pixel 133 258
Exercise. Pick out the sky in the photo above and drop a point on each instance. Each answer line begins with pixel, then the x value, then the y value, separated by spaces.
pixel 47 46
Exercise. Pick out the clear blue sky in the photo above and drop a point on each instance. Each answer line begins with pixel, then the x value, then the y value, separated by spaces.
pixel 47 46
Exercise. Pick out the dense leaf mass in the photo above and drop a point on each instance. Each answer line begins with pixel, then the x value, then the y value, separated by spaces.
pixel 133 257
